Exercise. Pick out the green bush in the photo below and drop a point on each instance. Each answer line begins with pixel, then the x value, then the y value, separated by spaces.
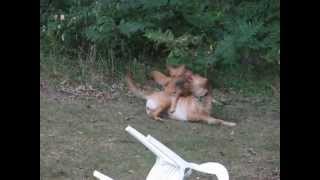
pixel 201 34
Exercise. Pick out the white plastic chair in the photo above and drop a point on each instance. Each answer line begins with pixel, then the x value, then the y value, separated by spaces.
pixel 101 176
pixel 170 166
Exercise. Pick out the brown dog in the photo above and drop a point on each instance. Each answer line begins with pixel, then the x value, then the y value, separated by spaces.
pixel 182 82
pixel 182 71
pixel 187 109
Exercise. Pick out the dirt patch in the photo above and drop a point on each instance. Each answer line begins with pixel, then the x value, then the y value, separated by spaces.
pixel 78 135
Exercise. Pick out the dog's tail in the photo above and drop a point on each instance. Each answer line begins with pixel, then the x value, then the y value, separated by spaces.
pixel 133 87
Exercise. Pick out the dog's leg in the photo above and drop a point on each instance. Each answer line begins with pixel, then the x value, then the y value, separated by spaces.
pixel 211 120
pixel 174 103
pixel 156 113
pixel 160 78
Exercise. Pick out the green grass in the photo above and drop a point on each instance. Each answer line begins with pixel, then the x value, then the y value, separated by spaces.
pixel 84 70
pixel 244 81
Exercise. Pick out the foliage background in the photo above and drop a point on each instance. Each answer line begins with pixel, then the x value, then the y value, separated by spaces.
pixel 238 37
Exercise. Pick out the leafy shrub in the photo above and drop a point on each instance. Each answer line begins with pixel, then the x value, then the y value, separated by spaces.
pixel 201 34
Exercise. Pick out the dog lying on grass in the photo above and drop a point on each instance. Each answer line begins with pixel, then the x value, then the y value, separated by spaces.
pixel 188 108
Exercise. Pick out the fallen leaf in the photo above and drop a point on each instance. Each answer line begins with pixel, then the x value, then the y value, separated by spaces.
pixel 131 171
pixel 251 151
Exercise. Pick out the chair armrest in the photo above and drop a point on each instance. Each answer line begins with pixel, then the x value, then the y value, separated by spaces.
pixel 211 168
pixel 101 176
pixel 140 137
pixel 165 150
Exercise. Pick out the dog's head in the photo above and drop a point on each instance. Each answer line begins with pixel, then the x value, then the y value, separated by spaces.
pixel 199 85
pixel 168 83
pixel 176 71
pixel 180 78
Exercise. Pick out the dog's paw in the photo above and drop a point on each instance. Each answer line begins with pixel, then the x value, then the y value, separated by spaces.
pixel 230 124
pixel 159 119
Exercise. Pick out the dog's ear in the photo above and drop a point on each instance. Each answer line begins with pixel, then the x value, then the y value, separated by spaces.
pixel 169 67
pixel 170 70
pixel 204 81
pixel 180 70
pixel 181 67
pixel 160 78
pixel 176 71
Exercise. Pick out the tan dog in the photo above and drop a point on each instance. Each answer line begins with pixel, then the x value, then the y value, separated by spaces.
pixel 182 82
pixel 182 71
pixel 187 109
